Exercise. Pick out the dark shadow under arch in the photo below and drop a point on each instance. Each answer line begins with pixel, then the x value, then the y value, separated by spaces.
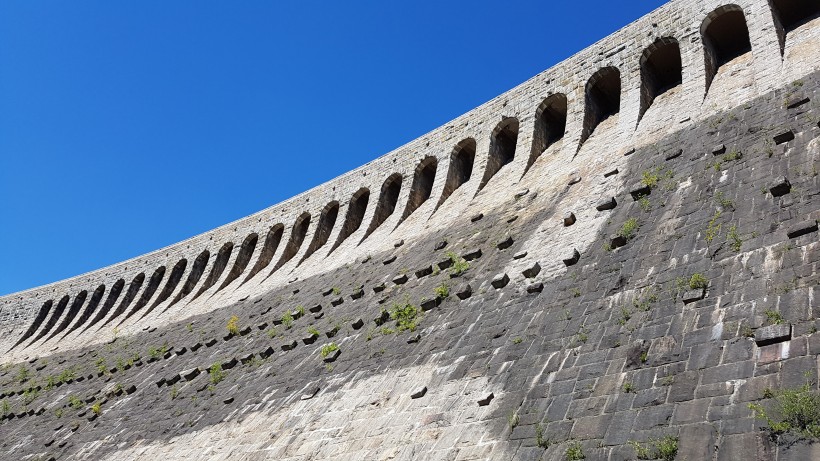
pixel 242 259
pixel 116 289
pixel 200 263
pixel 725 37
pixel 173 280
pixel 327 219
pixel 354 216
pixel 55 315
pixel 502 149
pixel 148 293
pixel 602 98
pixel 462 160
pixel 661 70
pixel 133 289
pixel 297 237
pixel 388 198
pixel 96 297
pixel 272 241
pixel 422 187
pixel 70 315
pixel 550 125
pixel 220 263
pixel 790 14
pixel 35 324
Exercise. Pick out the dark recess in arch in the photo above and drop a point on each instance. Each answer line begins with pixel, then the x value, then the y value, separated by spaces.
pixel 725 37
pixel 297 236
pixel 70 315
pixel 38 320
pixel 462 160
pixel 219 266
pixel 661 70
pixel 150 289
pixel 550 125
pixel 272 241
pixel 173 280
pixel 200 263
pixel 502 148
pixel 133 289
pixel 791 14
pixel 96 297
pixel 242 259
pixel 116 289
pixel 422 187
pixel 327 219
pixel 388 198
pixel 354 216
pixel 602 99
pixel 55 315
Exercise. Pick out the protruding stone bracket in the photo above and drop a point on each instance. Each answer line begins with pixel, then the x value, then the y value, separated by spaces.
pixel 784 137
pixel 506 243
pixel 486 399
pixel 639 190
pixel 500 281
pixel 606 204
pixel 773 334
pixel 419 393
pixel 569 218
pixel 780 186
pixel 690 296
pixel 571 258
pixel 532 271
pixel 802 228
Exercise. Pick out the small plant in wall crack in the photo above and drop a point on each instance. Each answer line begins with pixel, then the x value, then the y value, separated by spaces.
pixel 575 451
pixel 665 449
pixel 328 349
pixel 540 436
pixel 513 419
pixel 233 325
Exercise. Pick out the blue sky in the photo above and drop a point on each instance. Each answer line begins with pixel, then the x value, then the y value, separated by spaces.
pixel 128 126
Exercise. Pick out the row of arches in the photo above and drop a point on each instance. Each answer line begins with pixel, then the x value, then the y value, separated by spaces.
pixel 725 36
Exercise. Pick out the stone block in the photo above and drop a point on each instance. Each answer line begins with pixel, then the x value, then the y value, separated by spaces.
pixel 486 399
pixel 440 245
pixel 607 203
pixel 611 172
pixel 639 190
pixel 338 301
pixel 477 217
pixel 780 186
pixel 773 334
pixel 424 272
pixel 535 287
pixel 500 281
pixel 532 271
pixel 504 244
pixel 719 149
pixel 310 339
pixel 690 296
pixel 400 279
pixel 332 356
pixel 573 178
pixel 190 374
pixel 464 291
pixel 569 218
pixel 472 254
pixel 520 255
pixel 802 228
pixel 358 323
pixel 674 154
pixel 289 346
pixel 571 257
pixel 783 137
pixel 316 308
pixel 418 393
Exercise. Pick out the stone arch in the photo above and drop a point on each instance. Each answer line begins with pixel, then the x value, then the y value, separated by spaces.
pixel 422 186
pixel 55 315
pixel 661 71
pixel 297 237
pixel 173 280
pixel 388 198
pixel 242 259
pixel 38 320
pixel 602 99
pixel 502 148
pixel 133 289
pixel 462 161
pixel 354 216
pixel 725 37
pixel 115 292
pixel 327 219
pixel 200 263
pixel 220 263
pixel 790 14
pixel 96 297
pixel 150 289
pixel 550 125
pixel 70 315
pixel 272 241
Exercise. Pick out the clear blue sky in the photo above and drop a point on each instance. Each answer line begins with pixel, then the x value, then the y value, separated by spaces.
pixel 128 126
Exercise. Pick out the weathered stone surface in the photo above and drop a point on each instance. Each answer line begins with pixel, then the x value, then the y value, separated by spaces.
pixel 571 257
pixel 607 203
pixel 773 334
pixel 418 393
pixel 802 228
pixel 500 280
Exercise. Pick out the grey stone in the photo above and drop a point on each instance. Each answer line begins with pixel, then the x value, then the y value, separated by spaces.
pixel 472 254
pixel 464 291
pixel 571 257
pixel 418 393
pixel 780 186
pixel 190 374
pixel 504 244
pixel 389 260
pixel 520 255
pixel 332 356
pixel 400 279
pixel 500 281
pixel 486 399
pixel 784 137
pixel 802 228
pixel 606 204
pixel 639 190
pixel 693 295
pixel 569 218
pixel 358 323
pixel 532 271
pixel 535 287
pixel 773 334
pixel 719 149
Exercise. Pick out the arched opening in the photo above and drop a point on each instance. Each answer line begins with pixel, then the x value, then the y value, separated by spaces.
pixel 388 198
pixel 173 280
pixel 55 315
pixel 602 99
pixel 153 285
pixel 354 216
pixel 550 125
pixel 791 14
pixel 200 263
pixel 96 297
pixel 219 266
pixel 297 237
pixel 661 71
pixel 268 250
pixel 725 37
pixel 422 186
pixel 502 148
pixel 242 259
pixel 133 289
pixel 116 289
pixel 38 320
pixel 327 219
pixel 462 160
pixel 71 314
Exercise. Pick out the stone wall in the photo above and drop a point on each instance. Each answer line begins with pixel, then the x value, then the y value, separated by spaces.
pixel 543 305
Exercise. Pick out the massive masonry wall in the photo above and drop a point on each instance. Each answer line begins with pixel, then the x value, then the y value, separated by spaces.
pixel 547 239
